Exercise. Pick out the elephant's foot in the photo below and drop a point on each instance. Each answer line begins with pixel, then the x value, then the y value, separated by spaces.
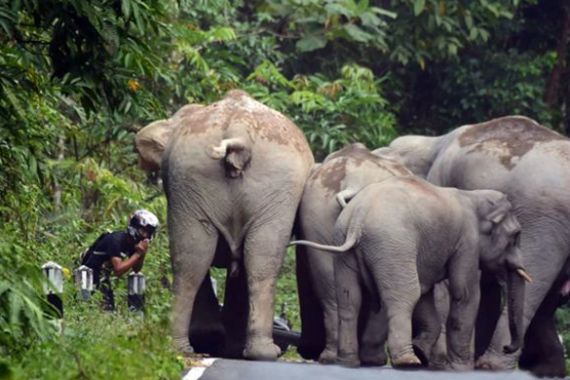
pixel 261 349
pixel 407 360
pixel 328 356
pixel 183 347
pixel 422 353
pixel 493 361
pixel 438 362
pixel 348 360
pixel 373 358
pixel 459 366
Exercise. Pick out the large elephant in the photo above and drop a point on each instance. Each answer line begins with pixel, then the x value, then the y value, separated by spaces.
pixel 233 173
pixel 209 322
pixel 213 330
pixel 531 164
pixel 405 235
pixel 329 186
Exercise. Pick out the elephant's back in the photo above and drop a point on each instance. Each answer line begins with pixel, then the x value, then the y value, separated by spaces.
pixel 351 168
pixel 517 134
pixel 514 155
pixel 239 115
pixel 409 203
pixel 496 152
pixel 276 144
pixel 510 141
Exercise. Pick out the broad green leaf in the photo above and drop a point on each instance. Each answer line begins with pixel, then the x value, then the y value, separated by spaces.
pixel 311 42
pixel 468 20
pixel 384 12
pixel 357 33
pixel 338 9
pixel 126 7
pixel 419 6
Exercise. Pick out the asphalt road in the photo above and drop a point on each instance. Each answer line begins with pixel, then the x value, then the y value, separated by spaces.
pixel 225 369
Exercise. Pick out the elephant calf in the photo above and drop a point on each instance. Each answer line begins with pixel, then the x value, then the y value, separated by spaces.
pixel 405 235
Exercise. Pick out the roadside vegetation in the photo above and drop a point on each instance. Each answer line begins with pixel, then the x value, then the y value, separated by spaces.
pixel 78 78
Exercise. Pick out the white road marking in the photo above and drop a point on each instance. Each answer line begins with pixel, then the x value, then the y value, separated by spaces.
pixel 197 371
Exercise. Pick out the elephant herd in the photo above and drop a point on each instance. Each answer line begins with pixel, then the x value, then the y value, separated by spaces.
pixel 450 251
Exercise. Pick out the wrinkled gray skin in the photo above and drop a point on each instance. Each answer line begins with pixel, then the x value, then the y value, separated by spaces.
pixel 542 353
pixel 531 164
pixel 233 175
pixel 213 330
pixel 426 234
pixel 329 186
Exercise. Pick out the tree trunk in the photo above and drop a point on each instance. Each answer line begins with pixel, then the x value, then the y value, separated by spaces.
pixel 553 85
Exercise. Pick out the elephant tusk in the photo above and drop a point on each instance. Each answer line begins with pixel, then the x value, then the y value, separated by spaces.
pixel 523 273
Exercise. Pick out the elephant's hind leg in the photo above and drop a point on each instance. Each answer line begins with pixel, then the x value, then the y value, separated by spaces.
pixel 312 324
pixel 399 289
pixel 373 334
pixel 543 353
pixel 322 272
pixel 427 327
pixel 264 250
pixel 349 299
pixel 192 248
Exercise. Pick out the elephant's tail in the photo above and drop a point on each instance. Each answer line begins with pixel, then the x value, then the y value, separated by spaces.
pixel 350 242
pixel 236 153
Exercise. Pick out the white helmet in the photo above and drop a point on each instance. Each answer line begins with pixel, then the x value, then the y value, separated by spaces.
pixel 142 220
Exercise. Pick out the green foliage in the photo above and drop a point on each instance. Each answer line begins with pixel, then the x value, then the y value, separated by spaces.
pixel 499 83
pixel 332 112
pixel 78 78
pixel 22 311
pixel 35 235
pixel 427 31
pixel 562 319
pixel 317 23
pixel 97 345
pixel 349 109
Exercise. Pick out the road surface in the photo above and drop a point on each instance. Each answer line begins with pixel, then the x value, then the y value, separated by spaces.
pixel 225 369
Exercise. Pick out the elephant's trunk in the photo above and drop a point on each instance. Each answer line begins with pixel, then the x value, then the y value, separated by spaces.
pixel 515 294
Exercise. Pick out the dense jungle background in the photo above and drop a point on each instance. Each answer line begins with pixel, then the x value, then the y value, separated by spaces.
pixel 78 78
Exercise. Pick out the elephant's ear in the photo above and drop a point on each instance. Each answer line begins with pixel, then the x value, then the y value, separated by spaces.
pixel 499 214
pixel 151 141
